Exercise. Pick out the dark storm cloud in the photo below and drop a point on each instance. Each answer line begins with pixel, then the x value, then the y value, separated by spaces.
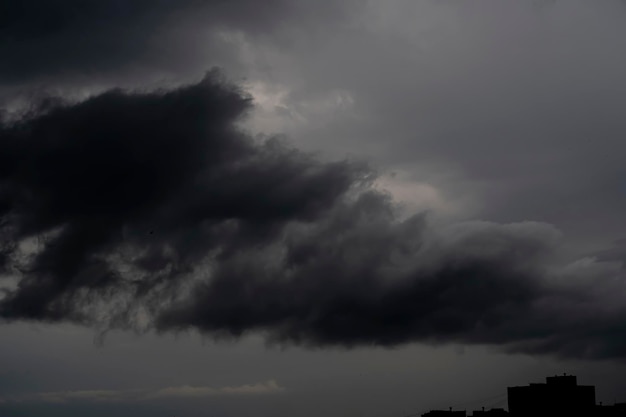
pixel 167 173
pixel 153 211
pixel 360 278
pixel 42 40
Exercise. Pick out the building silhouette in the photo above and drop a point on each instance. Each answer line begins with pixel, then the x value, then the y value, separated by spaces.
pixel 445 413
pixel 494 412
pixel 560 395
pixel 615 410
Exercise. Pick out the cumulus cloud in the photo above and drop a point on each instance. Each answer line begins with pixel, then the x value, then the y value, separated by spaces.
pixel 145 183
pixel 154 211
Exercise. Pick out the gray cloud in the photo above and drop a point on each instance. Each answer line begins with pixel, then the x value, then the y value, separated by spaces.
pixel 115 396
pixel 43 39
pixel 154 180
pixel 186 391
pixel 154 211
pixel 91 45
pixel 509 109
pixel 496 106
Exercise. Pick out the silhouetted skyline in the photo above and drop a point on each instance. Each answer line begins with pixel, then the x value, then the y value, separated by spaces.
pixel 560 395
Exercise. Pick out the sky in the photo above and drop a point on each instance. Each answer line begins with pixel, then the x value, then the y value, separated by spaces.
pixel 347 208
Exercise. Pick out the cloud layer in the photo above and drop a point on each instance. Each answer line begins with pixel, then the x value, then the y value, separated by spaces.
pixel 153 210
pixel 103 42
pixel 71 37
pixel 181 392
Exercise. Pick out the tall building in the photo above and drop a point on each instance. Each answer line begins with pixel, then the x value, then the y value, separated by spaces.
pixel 559 396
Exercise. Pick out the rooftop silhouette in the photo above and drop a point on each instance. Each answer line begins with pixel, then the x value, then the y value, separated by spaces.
pixel 560 395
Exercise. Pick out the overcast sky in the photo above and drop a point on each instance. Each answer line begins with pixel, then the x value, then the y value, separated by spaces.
pixel 343 208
